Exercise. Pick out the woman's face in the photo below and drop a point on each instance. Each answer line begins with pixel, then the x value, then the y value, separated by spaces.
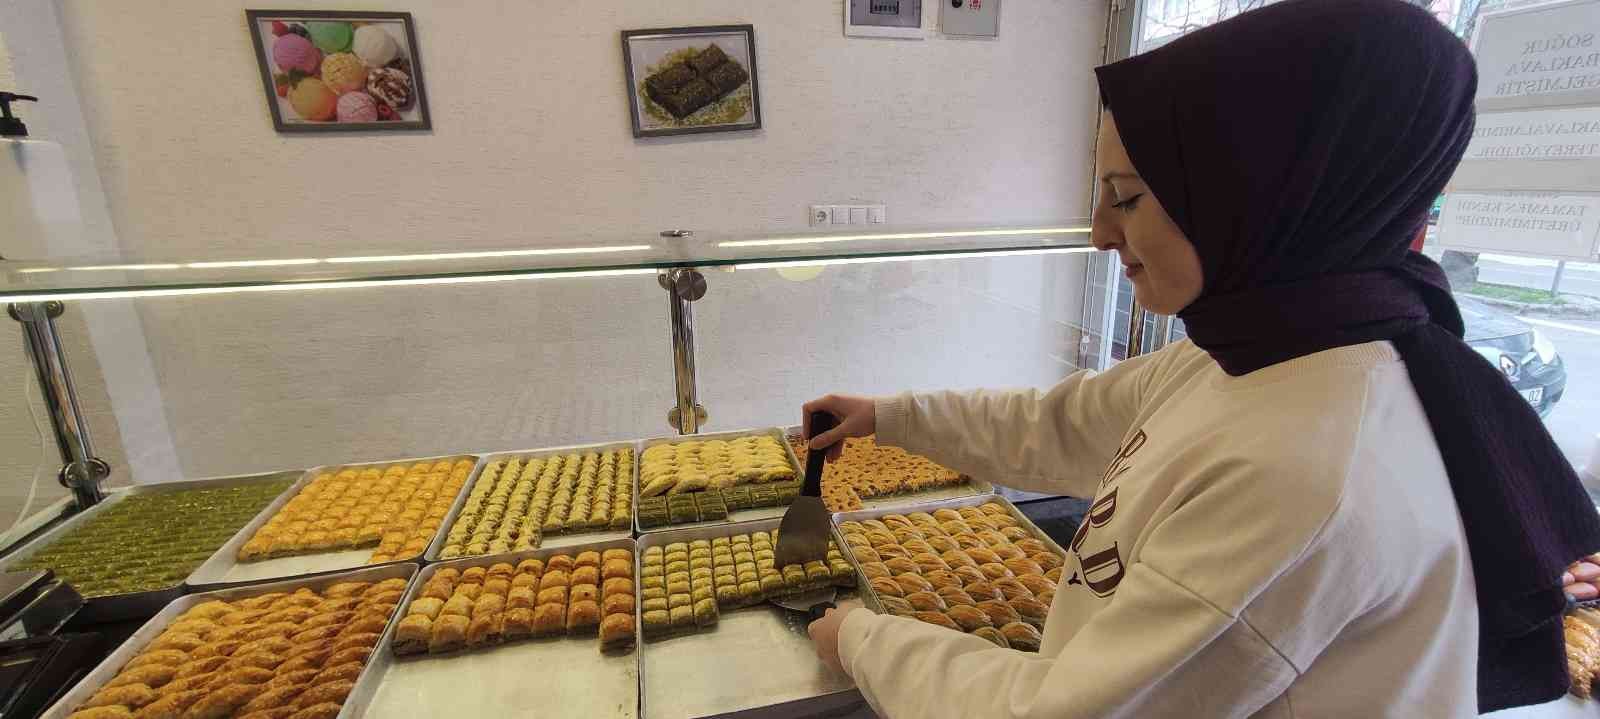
pixel 1156 257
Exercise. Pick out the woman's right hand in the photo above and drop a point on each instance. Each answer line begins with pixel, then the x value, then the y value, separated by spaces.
pixel 858 417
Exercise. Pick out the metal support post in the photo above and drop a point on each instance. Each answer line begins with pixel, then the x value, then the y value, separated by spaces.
pixel 81 471
pixel 684 285
pixel 1136 315
pixel 1555 286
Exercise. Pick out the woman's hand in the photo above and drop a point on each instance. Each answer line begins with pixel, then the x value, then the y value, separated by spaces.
pixel 825 635
pixel 1582 580
pixel 858 417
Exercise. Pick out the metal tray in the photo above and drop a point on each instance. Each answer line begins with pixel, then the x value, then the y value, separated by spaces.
pixel 554 540
pixel 973 487
pixel 743 515
pixel 107 669
pixel 552 677
pixel 757 660
pixel 871 596
pixel 116 607
pixel 223 569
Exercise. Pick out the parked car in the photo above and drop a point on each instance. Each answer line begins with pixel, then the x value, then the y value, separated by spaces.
pixel 1526 357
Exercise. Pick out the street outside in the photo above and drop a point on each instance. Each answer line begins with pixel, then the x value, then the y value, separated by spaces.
pixel 1576 419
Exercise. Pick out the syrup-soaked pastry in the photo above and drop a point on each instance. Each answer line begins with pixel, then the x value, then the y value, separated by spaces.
pixel 616 568
pixel 1005 552
pixel 591 575
pixel 170 706
pixel 344 589
pixel 292 679
pixel 132 695
pixel 901 565
pixel 1046 597
pixel 955 596
pixel 411 635
pixel 1032 611
pixel 559 563
pixel 151 675
pixel 316 634
pixel 219 703
pixel 355 641
pixel 521 598
pixel 549 619
pixel 1021 636
pixel 656 622
pixel 992 634
pixel 969 618
pixel 1036 583
pixel 583 593
pixel 582 617
pixel 323 693
pixel 617 604
pixel 942 578
pixel 1024 566
pixel 353 654
pixel 1054 575
pixel 866 554
pixel 926 602
pixel 983 555
pixel 886 587
pixel 875 570
pixel 896 606
pixel 995 570
pixel 450 633
pixel 325 710
pixel 518 623
pixel 910 583
pixel 616 632
pixel 617 585
pixel 275 645
pixel 936 618
pixel 485 630
pixel 553 595
pixel 1000 613
pixel 273 698
pixel 196 667
pixel 1012 589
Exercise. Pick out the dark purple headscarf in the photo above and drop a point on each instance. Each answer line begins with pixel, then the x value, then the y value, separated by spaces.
pixel 1299 147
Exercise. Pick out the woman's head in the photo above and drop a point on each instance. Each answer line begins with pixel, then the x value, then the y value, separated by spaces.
pixel 1129 220
pixel 1304 139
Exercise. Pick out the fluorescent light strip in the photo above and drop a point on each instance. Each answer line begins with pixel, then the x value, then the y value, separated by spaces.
pixel 499 253
pixel 36 270
pixel 902 236
pixel 251 263
pixel 320 285
pixel 151 266
pixel 904 258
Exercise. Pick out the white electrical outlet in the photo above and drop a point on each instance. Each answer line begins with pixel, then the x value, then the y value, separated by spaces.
pixel 830 215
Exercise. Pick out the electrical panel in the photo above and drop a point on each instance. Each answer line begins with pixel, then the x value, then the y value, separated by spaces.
pixel 883 18
pixel 970 18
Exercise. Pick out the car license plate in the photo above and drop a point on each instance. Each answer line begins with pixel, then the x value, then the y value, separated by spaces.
pixel 1534 396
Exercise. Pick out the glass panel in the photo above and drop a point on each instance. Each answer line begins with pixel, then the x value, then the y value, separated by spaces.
pixel 1534 317
pixel 31 281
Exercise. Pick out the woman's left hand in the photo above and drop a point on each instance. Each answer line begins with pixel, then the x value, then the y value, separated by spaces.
pixel 825 635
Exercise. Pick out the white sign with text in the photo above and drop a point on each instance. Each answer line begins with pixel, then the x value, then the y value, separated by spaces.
pixel 1565 134
pixel 1536 224
pixel 1544 50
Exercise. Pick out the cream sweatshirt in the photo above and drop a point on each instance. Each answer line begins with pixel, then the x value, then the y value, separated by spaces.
pixel 1282 544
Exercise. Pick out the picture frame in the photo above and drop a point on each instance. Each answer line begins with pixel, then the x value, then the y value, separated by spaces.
pixel 689 80
pixel 339 76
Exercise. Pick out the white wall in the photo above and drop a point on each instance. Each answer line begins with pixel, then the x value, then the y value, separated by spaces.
pixel 531 145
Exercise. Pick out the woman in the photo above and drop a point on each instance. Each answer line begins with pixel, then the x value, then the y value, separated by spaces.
pixel 1323 505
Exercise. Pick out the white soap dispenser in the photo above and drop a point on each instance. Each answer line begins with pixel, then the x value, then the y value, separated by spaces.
pixel 37 196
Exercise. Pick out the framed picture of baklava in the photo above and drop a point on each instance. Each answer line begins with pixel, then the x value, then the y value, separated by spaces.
pixel 692 79
pixel 331 71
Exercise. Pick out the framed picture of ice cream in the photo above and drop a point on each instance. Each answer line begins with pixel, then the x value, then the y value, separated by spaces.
pixel 331 71
pixel 692 79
